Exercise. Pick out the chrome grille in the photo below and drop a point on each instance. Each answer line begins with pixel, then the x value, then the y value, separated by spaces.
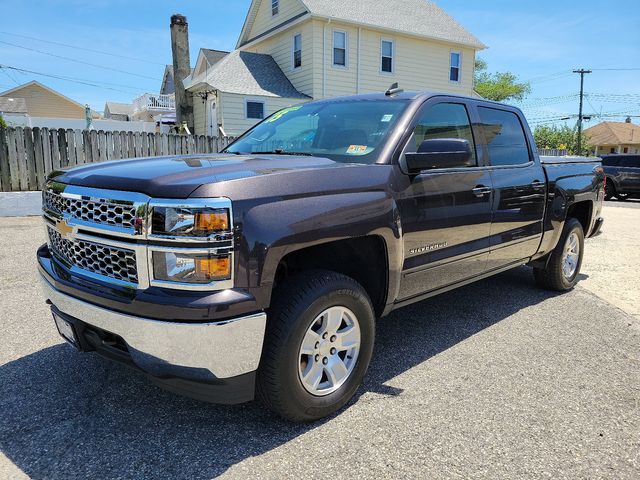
pixel 96 211
pixel 118 263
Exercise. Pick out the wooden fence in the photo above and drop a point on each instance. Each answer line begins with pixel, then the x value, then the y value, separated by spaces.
pixel 553 152
pixel 27 155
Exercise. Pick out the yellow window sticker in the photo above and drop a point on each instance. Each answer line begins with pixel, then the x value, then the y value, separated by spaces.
pixel 357 149
pixel 282 113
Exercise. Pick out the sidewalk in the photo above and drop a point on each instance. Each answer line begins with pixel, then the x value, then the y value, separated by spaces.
pixel 20 204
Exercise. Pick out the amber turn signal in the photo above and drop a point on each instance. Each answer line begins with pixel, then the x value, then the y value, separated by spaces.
pixel 212 221
pixel 213 268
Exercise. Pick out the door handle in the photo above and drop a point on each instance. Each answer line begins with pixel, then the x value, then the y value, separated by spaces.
pixel 537 185
pixel 481 191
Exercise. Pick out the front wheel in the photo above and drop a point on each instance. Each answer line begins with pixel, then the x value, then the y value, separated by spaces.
pixel 318 345
pixel 563 267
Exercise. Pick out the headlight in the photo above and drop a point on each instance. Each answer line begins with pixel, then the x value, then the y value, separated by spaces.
pixel 196 268
pixel 189 222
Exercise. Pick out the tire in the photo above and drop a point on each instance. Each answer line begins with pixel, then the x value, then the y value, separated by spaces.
pixel 609 190
pixel 296 315
pixel 557 275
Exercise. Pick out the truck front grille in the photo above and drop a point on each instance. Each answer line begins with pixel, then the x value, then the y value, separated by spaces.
pixel 105 260
pixel 105 212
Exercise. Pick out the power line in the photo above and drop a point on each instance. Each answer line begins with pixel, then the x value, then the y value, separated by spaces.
pixel 615 69
pixel 78 61
pixel 82 48
pixel 89 83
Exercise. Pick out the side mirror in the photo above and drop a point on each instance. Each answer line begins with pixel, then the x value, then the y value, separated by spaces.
pixel 440 153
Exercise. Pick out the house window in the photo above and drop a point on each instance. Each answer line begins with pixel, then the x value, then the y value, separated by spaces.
pixel 297 50
pixel 387 48
pixel 275 7
pixel 255 110
pixel 625 150
pixel 340 49
pixel 454 70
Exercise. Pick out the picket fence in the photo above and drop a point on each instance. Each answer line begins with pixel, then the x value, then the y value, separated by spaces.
pixel 28 155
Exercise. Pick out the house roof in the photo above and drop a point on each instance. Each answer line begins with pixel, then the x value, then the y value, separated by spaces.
pixel 50 90
pixel 247 73
pixel 421 18
pixel 213 56
pixel 613 133
pixel 13 105
pixel 119 108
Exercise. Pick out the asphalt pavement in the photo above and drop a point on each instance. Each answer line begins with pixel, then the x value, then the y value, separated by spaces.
pixel 498 379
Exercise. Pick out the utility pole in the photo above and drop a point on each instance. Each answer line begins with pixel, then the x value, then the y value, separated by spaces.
pixel 582 73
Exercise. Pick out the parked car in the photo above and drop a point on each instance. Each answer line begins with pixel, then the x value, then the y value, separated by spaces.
pixel 623 175
pixel 261 270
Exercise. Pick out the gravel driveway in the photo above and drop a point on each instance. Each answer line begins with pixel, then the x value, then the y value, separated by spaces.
pixel 495 380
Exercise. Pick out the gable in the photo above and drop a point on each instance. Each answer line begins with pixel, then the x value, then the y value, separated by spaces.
pixel 43 101
pixel 260 20
pixel 207 58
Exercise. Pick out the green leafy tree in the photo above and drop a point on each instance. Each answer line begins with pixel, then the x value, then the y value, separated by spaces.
pixel 499 86
pixel 560 137
pixel 3 124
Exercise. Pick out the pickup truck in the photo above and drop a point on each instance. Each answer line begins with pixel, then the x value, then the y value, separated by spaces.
pixel 259 271
pixel 622 174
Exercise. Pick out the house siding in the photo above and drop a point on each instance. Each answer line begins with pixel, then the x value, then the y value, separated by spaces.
pixel 265 21
pixel 280 47
pixel 199 115
pixel 231 109
pixel 419 64
pixel 43 103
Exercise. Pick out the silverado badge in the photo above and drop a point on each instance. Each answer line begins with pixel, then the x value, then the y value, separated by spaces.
pixel 427 248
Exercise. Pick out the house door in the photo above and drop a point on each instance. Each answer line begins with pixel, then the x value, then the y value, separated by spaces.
pixel 212 124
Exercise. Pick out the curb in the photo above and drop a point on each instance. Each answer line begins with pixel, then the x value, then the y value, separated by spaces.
pixel 20 204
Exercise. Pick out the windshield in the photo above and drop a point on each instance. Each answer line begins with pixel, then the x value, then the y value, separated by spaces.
pixel 344 131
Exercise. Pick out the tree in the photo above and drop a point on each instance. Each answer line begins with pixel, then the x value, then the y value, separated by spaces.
pixel 560 137
pixel 3 124
pixel 499 86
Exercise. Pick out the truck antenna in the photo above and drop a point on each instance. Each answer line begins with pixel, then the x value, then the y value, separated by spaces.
pixel 393 90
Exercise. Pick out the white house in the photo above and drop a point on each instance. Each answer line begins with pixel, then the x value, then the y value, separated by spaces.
pixel 292 51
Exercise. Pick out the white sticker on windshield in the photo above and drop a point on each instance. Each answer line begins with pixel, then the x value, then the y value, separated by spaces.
pixel 387 117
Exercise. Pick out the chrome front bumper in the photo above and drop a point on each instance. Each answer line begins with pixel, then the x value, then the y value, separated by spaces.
pixel 200 351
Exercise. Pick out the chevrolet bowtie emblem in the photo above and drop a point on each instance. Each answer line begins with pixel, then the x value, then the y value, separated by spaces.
pixel 65 229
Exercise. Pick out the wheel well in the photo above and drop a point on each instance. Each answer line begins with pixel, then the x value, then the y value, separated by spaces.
pixel 582 212
pixel 363 258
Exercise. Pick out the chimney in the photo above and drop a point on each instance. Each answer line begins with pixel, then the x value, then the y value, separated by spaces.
pixel 181 69
pixel 627 120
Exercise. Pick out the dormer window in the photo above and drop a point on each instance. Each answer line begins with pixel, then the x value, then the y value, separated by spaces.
pixel 275 7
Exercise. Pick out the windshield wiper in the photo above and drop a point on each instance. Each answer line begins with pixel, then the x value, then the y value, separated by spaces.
pixel 283 152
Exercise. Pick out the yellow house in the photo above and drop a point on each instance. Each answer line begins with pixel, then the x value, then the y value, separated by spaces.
pixel 325 48
pixel 42 101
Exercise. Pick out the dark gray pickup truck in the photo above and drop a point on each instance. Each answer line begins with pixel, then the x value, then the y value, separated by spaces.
pixel 260 271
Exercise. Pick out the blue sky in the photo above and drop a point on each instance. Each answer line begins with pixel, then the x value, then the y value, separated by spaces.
pixel 540 41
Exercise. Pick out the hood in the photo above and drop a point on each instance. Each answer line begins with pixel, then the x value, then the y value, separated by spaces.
pixel 179 177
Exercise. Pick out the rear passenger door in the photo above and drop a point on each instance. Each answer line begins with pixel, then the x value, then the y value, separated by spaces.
pixel 630 174
pixel 446 212
pixel 519 187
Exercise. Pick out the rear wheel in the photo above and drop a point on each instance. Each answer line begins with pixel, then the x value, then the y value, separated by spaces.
pixel 563 267
pixel 609 190
pixel 317 347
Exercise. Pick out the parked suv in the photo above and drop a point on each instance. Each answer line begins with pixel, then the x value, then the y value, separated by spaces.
pixel 623 176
